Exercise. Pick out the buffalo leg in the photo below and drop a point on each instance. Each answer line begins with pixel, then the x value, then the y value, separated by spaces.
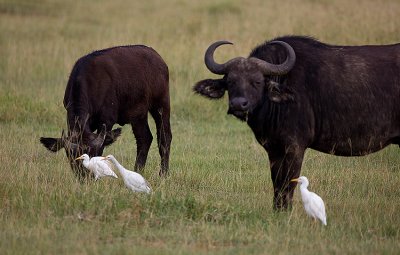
pixel 164 136
pixel 141 130
pixel 285 165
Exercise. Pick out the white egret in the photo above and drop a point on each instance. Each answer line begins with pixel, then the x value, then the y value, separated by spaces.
pixel 99 167
pixel 313 204
pixel 133 181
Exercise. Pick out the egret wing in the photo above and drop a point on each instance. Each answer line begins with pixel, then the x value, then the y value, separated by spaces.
pixel 318 207
pixel 104 169
pixel 137 182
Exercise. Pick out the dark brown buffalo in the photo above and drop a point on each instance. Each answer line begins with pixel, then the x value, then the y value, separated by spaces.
pixel 297 93
pixel 116 85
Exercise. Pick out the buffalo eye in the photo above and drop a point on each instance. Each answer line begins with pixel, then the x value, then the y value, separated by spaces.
pixel 257 83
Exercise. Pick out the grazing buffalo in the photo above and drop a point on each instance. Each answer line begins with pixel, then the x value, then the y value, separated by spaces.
pixel 297 93
pixel 116 85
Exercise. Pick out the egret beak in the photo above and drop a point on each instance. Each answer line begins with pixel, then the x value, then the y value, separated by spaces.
pixel 79 157
pixel 294 180
pixel 103 158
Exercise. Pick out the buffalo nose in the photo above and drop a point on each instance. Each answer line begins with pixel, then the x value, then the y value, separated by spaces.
pixel 239 104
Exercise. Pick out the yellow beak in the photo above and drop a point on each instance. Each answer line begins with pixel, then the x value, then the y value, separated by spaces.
pixel 78 158
pixel 294 180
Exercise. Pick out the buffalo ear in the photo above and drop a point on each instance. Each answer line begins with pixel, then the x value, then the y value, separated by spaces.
pixel 52 144
pixel 210 88
pixel 112 136
pixel 279 93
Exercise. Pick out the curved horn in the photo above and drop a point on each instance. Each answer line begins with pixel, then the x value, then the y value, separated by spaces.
pixel 101 137
pixel 67 143
pixel 280 69
pixel 209 59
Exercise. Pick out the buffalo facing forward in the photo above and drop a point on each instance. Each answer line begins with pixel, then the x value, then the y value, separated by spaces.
pixel 116 85
pixel 296 93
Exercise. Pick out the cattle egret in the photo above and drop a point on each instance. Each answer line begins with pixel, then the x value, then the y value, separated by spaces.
pixel 133 181
pixel 313 204
pixel 99 167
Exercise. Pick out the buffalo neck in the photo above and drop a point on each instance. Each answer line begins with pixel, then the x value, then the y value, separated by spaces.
pixel 80 122
pixel 76 102
pixel 265 120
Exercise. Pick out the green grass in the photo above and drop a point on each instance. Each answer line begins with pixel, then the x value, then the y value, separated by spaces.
pixel 218 198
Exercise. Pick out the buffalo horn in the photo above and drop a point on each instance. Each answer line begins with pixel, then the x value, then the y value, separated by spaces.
pixel 67 143
pixel 209 59
pixel 101 137
pixel 280 69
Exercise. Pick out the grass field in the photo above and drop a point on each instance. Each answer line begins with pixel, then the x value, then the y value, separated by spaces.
pixel 218 198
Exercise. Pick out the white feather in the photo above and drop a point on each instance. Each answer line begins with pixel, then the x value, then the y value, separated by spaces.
pixel 133 180
pixel 313 204
pixel 97 166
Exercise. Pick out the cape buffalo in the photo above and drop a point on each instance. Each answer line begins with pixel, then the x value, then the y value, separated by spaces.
pixel 297 93
pixel 116 85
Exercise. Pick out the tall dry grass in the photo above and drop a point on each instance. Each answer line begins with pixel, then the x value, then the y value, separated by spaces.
pixel 218 198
